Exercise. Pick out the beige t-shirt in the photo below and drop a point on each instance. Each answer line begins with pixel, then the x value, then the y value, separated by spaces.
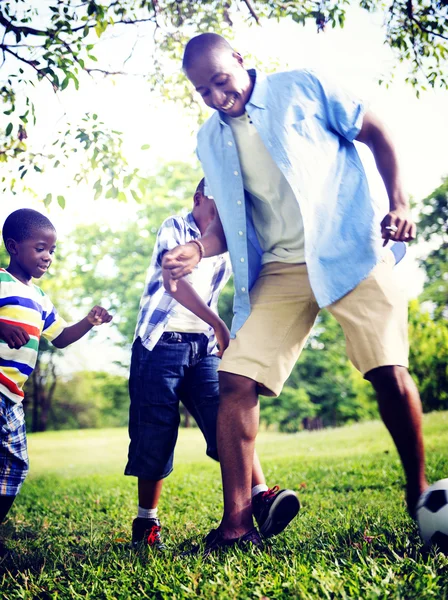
pixel 275 210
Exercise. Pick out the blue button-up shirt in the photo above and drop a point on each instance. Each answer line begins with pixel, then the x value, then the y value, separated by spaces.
pixel 308 126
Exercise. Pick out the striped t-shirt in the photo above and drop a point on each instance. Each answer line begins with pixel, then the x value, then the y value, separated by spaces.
pixel 30 308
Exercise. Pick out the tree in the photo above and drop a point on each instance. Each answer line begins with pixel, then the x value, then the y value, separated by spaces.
pixel 331 382
pixel 433 228
pixel 57 45
pixel 429 356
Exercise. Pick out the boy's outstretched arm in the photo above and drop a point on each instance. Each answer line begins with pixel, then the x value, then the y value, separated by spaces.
pixel 97 316
pixel 188 297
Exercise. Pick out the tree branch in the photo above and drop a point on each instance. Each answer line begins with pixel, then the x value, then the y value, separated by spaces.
pixel 10 26
pixel 251 9
pixel 30 63
pixel 410 13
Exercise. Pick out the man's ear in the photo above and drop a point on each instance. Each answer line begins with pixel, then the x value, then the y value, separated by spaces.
pixel 11 246
pixel 197 199
pixel 238 57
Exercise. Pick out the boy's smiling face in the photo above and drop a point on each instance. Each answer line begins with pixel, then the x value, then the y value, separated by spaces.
pixel 221 79
pixel 32 256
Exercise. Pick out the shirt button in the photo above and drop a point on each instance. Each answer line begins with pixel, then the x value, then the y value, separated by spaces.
pixel 236 173
pixel 230 143
pixel 238 202
pixel 241 259
pixel 240 233
pixel 243 289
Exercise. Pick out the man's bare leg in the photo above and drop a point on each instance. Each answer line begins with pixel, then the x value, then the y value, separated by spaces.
pixel 401 410
pixel 238 419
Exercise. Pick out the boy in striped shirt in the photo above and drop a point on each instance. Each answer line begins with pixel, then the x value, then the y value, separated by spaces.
pixel 26 313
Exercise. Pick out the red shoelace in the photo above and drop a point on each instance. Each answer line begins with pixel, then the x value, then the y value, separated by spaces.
pixel 270 492
pixel 153 535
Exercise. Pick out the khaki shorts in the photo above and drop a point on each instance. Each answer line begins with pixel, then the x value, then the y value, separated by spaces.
pixel 373 317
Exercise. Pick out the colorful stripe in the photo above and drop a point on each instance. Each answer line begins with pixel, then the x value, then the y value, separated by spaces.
pixel 13 364
pixel 10 386
pixel 17 301
pixel 28 307
pixel 30 329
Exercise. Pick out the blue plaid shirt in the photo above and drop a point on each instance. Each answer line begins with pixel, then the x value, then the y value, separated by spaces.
pixel 308 125
pixel 156 305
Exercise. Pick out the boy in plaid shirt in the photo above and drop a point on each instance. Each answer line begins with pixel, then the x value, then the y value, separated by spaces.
pixel 175 358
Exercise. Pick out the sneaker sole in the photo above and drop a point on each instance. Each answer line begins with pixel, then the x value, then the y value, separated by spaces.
pixel 283 510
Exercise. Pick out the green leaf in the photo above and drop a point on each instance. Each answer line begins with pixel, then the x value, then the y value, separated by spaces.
pixel 47 200
pixel 145 147
pixel 61 201
pixel 8 129
pixel 65 82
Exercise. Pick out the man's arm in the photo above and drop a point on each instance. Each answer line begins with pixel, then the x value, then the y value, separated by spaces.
pixel 73 333
pixel 397 224
pixel 186 295
pixel 182 260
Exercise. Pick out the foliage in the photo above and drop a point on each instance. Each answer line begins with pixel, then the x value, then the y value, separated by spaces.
pixel 287 411
pixel 429 356
pixel 57 45
pixel 90 399
pixel 324 372
pixel 69 530
pixel 433 227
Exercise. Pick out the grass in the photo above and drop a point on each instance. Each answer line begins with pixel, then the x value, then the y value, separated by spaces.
pixel 68 533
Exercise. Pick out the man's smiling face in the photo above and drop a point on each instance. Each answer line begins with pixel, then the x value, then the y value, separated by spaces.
pixel 221 79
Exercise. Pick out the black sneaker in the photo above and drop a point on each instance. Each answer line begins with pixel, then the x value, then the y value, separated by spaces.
pixel 214 541
pixel 147 532
pixel 274 510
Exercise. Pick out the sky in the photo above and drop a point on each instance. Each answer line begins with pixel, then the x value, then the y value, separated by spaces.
pixel 355 56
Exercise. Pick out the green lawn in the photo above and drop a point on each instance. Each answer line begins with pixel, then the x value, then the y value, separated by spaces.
pixel 68 532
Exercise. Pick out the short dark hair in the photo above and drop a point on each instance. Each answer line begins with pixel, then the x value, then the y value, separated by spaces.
pixel 203 43
pixel 201 186
pixel 21 224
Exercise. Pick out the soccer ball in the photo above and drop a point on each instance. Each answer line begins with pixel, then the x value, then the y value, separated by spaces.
pixel 432 515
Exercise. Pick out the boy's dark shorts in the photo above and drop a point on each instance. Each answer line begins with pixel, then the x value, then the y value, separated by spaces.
pixel 177 369
pixel 13 449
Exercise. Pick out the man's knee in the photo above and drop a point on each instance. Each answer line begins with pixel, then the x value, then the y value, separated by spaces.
pixel 392 380
pixel 236 388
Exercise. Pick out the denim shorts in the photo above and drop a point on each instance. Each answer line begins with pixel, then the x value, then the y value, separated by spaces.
pixel 178 369
pixel 13 448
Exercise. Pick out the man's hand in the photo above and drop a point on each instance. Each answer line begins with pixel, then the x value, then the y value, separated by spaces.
pixel 222 336
pixel 180 262
pixel 398 225
pixel 98 315
pixel 14 335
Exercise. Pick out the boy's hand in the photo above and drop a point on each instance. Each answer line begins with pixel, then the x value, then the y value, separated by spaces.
pixel 99 315
pixel 14 335
pixel 222 336
pixel 180 262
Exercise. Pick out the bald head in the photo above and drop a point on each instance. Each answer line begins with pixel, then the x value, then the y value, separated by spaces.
pixel 203 44
pixel 218 74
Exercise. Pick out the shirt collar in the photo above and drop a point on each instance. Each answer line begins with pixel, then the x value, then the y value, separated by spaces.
pixel 259 94
pixel 192 223
pixel 258 97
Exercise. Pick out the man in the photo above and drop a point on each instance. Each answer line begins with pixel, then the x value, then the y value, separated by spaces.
pixel 296 215
pixel 175 358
